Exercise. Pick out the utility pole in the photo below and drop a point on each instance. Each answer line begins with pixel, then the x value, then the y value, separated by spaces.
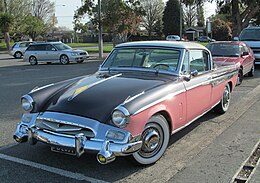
pixel 180 20
pixel 100 38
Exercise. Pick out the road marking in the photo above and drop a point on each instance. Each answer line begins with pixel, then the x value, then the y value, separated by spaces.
pixel 65 173
pixel 8 146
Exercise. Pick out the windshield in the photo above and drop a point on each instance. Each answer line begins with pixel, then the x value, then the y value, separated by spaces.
pixel 224 50
pixel 152 58
pixel 61 46
pixel 250 35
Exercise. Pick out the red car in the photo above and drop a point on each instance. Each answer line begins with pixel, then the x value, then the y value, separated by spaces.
pixel 234 52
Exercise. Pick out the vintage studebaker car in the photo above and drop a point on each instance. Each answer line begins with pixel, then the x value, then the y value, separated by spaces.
pixel 142 93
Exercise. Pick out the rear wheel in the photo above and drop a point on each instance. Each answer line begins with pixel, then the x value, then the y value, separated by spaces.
pixel 64 59
pixel 33 60
pixel 18 54
pixel 240 77
pixel 155 139
pixel 223 105
pixel 252 71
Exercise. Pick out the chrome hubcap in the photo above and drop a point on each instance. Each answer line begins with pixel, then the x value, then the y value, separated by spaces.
pixel 152 141
pixel 226 98
pixel 32 60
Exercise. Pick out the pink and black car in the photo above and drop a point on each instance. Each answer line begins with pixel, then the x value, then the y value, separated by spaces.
pixel 142 93
pixel 234 52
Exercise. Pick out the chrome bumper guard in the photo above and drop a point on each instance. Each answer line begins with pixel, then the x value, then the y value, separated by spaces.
pixel 108 149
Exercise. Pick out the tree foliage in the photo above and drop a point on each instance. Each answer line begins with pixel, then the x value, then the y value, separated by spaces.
pixel 153 10
pixel 221 30
pixel 190 15
pixel 171 18
pixel 33 26
pixel 6 21
pixel 119 17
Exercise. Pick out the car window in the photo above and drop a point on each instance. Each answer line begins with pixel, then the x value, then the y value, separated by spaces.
pixel 49 47
pixel 224 50
pixel 61 46
pixel 155 58
pixel 23 45
pixel 185 65
pixel 250 35
pixel 199 61
pixel 37 47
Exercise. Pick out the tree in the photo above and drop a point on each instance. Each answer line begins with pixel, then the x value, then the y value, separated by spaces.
pixel 171 17
pixel 190 15
pixel 6 21
pixel 33 26
pixel 119 17
pixel 221 30
pixel 200 15
pixel 44 10
pixel 242 12
pixel 153 10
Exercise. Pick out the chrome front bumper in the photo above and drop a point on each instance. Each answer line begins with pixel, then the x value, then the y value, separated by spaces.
pixel 108 148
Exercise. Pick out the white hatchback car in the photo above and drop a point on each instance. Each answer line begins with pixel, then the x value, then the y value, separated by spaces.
pixel 173 38
pixel 53 52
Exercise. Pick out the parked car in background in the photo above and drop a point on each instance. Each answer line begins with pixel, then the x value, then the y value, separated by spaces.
pixel 18 49
pixel 142 93
pixel 173 38
pixel 251 36
pixel 53 52
pixel 205 39
pixel 233 52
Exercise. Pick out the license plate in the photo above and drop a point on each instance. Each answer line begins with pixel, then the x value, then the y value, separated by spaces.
pixel 63 150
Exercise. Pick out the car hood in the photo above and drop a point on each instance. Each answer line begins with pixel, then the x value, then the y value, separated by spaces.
pixel 252 44
pixel 96 96
pixel 220 61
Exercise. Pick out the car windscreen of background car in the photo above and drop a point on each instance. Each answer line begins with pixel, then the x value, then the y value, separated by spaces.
pixel 165 59
pixel 250 35
pixel 224 50
pixel 61 46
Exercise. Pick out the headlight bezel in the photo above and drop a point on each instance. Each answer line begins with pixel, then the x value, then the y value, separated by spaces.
pixel 125 117
pixel 27 103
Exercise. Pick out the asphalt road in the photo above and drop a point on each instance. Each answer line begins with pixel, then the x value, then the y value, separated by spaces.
pixel 210 150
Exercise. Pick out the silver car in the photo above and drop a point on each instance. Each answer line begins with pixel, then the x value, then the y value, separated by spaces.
pixel 53 52
pixel 18 49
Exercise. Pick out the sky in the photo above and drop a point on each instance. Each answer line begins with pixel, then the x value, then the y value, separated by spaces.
pixel 65 13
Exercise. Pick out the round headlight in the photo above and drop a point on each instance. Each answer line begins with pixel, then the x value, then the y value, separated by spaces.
pixel 27 103
pixel 120 117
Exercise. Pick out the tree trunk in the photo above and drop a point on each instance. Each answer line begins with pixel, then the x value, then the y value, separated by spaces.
pixel 237 23
pixel 149 34
pixel 7 40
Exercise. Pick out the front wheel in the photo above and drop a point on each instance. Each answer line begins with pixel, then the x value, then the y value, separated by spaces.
pixel 223 105
pixel 155 139
pixel 64 59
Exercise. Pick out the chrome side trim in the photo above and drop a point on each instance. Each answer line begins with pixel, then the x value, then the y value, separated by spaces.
pixel 159 101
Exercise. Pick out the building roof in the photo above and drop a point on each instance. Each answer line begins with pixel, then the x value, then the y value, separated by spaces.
pixel 171 44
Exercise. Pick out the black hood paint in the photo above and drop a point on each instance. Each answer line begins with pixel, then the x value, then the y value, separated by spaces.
pixel 103 92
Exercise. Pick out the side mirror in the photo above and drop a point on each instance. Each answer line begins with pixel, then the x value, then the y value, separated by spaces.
pixel 235 39
pixel 193 73
pixel 244 53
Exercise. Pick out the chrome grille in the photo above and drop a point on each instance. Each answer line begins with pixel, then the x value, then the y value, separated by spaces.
pixel 62 128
